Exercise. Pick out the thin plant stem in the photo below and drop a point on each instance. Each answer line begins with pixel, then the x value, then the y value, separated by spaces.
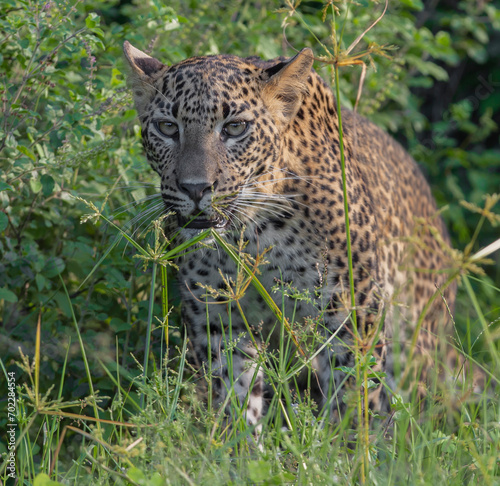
pixel 84 356
pixel 37 359
pixel 364 433
pixel 488 337
pixel 148 332
pixel 421 318
pixel 164 301
pixel 346 204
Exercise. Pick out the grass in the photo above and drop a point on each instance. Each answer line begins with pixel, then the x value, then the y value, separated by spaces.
pixel 158 429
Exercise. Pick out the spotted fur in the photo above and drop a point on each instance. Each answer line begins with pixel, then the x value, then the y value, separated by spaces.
pixel 280 180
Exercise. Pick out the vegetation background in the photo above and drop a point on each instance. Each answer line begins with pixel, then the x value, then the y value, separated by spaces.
pixel 68 129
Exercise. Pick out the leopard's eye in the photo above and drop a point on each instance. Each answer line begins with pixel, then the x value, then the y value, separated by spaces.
pixel 234 129
pixel 169 129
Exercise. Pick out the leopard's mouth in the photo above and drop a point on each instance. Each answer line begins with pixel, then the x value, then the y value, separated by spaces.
pixel 201 222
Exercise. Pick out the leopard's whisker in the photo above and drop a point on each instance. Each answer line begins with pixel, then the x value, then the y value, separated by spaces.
pixel 145 214
pixel 273 169
pixel 259 205
pixel 273 181
pixel 142 227
pixel 260 194
pixel 282 203
pixel 237 210
pixel 231 215
pixel 285 199
pixel 303 178
pixel 263 195
pixel 276 209
pixel 147 217
pixel 132 204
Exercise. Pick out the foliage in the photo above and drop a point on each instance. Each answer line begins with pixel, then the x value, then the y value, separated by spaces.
pixel 68 129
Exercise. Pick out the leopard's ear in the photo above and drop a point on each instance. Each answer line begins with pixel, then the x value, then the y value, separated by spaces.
pixel 145 70
pixel 286 85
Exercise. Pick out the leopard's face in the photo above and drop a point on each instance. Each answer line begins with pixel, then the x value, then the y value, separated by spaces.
pixel 211 128
pixel 212 144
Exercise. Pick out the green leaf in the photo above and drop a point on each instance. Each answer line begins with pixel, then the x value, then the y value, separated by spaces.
pixel 41 282
pixel 36 185
pixel 63 304
pixel 156 480
pixel 427 67
pixel 114 78
pixel 44 480
pixel 415 4
pixel 127 116
pixel 282 478
pixel 99 33
pixel 345 369
pixel 259 471
pixel 54 266
pixel 370 384
pixel 7 295
pixel 26 151
pixel 136 475
pixel 93 20
pixel 39 149
pixel 443 38
pixel 5 187
pixel 4 221
pixel 47 184
pixel 118 325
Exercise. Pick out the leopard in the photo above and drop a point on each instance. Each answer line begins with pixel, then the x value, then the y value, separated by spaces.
pixel 250 150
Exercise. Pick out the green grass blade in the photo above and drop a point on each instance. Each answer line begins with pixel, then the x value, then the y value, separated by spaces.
pixel 495 355
pixel 149 328
pixel 99 263
pixel 84 354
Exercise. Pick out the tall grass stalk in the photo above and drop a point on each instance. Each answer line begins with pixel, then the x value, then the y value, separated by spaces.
pixel 84 357
pixel 490 341
pixel 363 423
pixel 149 328
pixel 165 307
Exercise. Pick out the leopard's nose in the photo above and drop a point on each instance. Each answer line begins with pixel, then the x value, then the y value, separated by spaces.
pixel 197 191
